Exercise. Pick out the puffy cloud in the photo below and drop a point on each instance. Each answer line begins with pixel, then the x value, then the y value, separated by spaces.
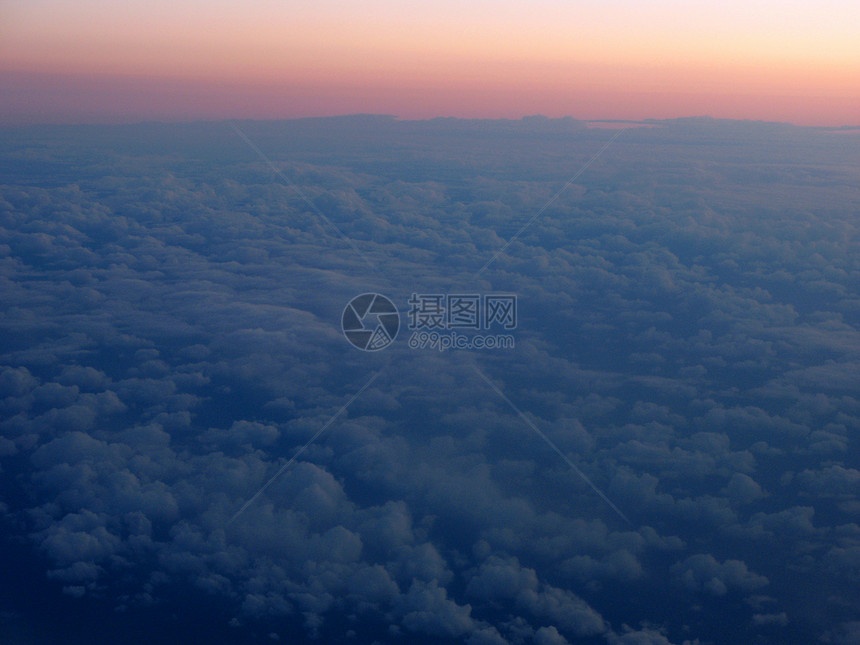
pixel 644 636
pixel 832 481
pixel 498 578
pixel 568 611
pixel 743 489
pixel 426 608
pixel 779 620
pixel 703 572
pixel 549 636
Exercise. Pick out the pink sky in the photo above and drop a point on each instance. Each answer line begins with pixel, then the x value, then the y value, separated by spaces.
pixel 94 60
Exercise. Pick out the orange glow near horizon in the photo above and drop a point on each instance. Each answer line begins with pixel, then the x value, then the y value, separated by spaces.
pixel 180 60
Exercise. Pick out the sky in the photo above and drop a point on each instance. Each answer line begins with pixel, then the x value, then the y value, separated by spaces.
pixel 96 61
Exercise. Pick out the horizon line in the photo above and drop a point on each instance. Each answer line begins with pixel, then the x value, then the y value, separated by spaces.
pixel 647 121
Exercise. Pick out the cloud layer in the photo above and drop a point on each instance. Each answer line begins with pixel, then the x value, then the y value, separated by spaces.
pixel 688 338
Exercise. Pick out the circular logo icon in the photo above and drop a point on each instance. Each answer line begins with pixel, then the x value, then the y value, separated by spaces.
pixel 370 322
